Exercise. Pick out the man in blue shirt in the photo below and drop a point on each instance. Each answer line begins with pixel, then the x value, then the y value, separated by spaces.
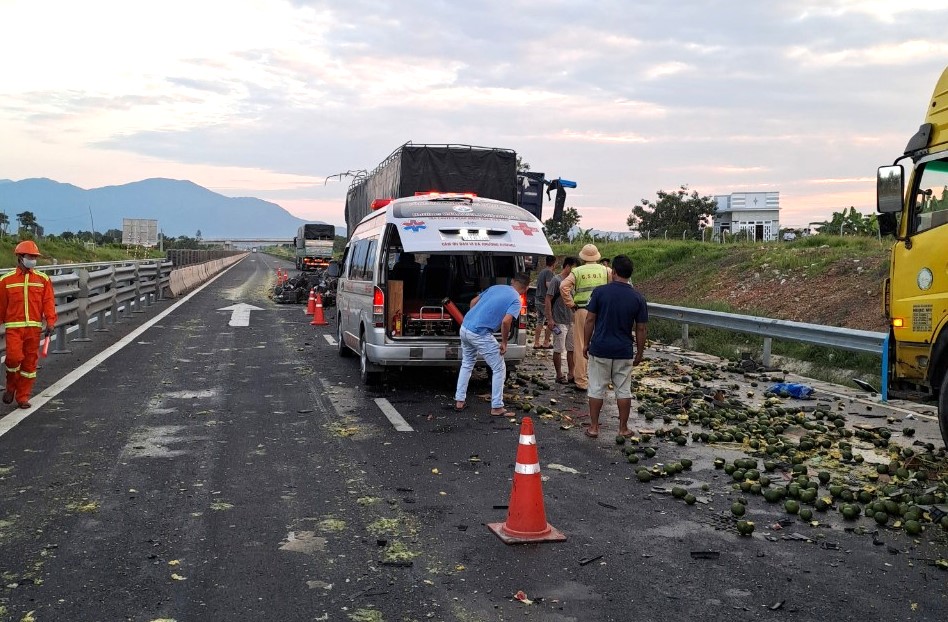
pixel 614 312
pixel 496 307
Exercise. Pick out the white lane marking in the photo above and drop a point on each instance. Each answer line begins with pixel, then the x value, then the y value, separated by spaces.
pixel 240 313
pixel 393 415
pixel 332 340
pixel 7 423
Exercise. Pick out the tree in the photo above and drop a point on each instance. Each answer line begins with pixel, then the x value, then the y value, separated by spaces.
pixel 674 213
pixel 27 221
pixel 849 221
pixel 197 236
pixel 112 236
pixel 559 231
pixel 522 167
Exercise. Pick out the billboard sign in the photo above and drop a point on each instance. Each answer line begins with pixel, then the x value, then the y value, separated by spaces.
pixel 139 232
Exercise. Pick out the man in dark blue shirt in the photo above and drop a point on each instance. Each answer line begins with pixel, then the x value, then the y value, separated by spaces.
pixel 615 311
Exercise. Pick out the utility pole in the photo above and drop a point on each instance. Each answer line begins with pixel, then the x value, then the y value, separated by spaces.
pixel 93 226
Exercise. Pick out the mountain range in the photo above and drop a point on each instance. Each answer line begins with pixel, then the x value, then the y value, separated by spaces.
pixel 181 208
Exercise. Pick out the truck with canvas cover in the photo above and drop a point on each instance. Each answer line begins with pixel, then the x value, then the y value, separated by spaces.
pixel 412 262
pixel 486 172
pixel 313 244
pixel 915 295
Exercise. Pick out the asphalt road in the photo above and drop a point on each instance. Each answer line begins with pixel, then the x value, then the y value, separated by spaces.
pixel 211 472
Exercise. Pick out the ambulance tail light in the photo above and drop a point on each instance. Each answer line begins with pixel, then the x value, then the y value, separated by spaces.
pixel 523 311
pixel 378 308
pixel 379 203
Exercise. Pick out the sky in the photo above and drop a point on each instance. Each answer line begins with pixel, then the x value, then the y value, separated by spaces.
pixel 274 99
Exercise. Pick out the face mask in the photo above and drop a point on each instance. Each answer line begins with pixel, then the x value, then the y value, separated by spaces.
pixel 29 264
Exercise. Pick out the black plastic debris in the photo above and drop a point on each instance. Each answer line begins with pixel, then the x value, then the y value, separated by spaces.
pixel 705 554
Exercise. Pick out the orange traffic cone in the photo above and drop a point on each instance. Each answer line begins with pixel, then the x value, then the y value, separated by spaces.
pixel 526 518
pixel 318 318
pixel 311 303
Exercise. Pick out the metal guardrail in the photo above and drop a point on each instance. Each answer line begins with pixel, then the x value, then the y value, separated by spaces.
pixel 816 334
pixel 187 257
pixel 101 292
pixel 865 341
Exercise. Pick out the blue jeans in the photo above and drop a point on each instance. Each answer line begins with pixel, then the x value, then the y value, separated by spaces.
pixel 487 347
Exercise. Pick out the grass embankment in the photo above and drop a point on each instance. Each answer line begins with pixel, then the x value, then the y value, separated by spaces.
pixel 827 280
pixel 64 252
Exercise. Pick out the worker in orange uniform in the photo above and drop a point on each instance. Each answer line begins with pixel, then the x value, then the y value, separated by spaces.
pixel 26 299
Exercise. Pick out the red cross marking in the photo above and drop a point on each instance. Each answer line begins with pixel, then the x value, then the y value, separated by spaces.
pixel 525 229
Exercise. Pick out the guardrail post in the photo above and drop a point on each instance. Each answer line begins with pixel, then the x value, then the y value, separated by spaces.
pixel 137 302
pixel 684 336
pixel 83 310
pixel 765 359
pixel 884 381
pixel 61 341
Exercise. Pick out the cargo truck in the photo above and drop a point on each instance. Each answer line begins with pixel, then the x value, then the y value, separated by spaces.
pixel 313 244
pixel 486 172
pixel 914 208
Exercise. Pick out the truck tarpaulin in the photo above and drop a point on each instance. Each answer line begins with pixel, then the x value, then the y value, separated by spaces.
pixel 484 171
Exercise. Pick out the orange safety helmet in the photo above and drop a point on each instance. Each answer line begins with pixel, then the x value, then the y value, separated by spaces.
pixel 26 247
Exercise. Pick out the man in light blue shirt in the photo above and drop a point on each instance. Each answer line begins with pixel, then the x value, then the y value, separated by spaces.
pixel 496 307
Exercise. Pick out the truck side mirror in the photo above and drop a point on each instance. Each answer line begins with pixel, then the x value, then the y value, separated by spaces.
pixel 890 190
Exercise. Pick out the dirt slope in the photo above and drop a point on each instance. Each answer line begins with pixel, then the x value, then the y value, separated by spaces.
pixel 843 291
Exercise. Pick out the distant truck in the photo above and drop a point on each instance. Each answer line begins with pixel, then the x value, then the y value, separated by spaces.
pixel 313 244
pixel 915 295
pixel 410 170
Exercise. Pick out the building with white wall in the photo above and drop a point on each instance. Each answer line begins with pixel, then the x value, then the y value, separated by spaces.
pixel 756 213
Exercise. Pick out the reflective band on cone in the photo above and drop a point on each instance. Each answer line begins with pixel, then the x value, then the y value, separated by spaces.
pixel 526 516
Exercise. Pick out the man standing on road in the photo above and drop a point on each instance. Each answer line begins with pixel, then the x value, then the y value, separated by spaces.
pixel 26 298
pixel 497 306
pixel 614 312
pixel 576 290
pixel 543 285
pixel 559 319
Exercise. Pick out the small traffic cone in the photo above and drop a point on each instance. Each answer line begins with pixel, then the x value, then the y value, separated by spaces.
pixel 318 318
pixel 279 276
pixel 526 518
pixel 311 303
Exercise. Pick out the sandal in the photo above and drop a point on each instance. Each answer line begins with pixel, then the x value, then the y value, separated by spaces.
pixel 562 380
pixel 503 413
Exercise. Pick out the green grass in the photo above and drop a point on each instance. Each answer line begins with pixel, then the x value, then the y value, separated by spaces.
pixel 65 252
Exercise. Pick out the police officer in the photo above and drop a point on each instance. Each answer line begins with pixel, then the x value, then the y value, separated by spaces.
pixel 575 291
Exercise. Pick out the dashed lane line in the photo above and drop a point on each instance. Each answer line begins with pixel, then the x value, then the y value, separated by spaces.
pixel 332 340
pixel 10 421
pixel 393 415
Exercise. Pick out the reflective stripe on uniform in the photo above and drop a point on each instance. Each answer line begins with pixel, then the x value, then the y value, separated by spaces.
pixel 28 374
pixel 13 370
pixel 24 324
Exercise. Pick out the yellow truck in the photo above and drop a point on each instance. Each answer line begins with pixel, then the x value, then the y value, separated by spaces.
pixel 915 295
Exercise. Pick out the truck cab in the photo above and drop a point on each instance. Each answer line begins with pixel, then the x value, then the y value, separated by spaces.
pixel 912 201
